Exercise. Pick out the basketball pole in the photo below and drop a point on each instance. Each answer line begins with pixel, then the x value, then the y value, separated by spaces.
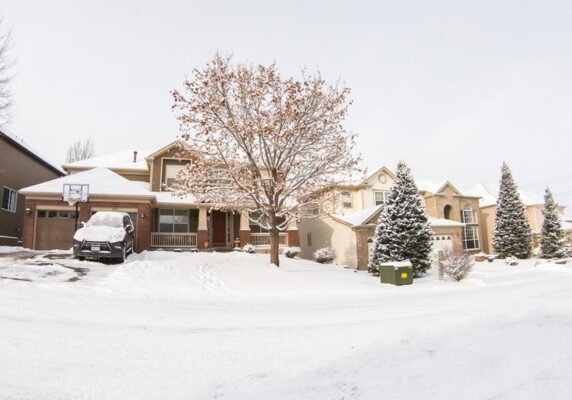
pixel 76 214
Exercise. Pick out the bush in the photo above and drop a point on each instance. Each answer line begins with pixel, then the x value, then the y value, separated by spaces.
pixel 291 252
pixel 324 255
pixel 456 265
pixel 249 248
pixel 512 261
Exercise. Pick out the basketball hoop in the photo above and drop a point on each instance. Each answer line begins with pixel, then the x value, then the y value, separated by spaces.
pixel 72 199
pixel 73 194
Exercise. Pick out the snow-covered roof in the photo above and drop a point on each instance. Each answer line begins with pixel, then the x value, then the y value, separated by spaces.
pixel 101 181
pixel 18 141
pixel 441 222
pixel 121 160
pixel 360 217
pixel 169 198
pixel 567 226
pixel 489 193
pixel 430 185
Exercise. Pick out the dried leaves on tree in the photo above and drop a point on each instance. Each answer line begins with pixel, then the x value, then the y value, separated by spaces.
pixel 260 142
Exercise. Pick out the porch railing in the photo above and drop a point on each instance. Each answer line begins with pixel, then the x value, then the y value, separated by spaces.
pixel 263 239
pixel 161 239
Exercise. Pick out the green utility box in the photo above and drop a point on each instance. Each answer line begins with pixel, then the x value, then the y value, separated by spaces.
pixel 396 273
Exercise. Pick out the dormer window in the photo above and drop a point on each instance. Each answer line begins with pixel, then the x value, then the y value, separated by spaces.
pixel 170 172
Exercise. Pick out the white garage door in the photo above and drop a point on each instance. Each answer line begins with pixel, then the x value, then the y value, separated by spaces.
pixel 443 243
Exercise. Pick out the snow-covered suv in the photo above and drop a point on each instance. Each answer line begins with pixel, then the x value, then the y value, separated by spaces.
pixel 107 234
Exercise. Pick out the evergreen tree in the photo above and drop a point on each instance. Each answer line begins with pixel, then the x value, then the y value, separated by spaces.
pixel 403 231
pixel 552 243
pixel 511 235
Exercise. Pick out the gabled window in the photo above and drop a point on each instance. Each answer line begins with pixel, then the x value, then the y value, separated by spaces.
pixel 170 174
pixel 380 196
pixel 9 199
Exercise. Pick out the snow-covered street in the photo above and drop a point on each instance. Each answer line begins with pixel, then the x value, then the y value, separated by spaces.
pixel 229 326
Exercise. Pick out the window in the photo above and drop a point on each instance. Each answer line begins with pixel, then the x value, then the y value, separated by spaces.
pixel 309 239
pixel 470 232
pixel 9 199
pixel 173 220
pixel 170 174
pixel 447 212
pixel 56 214
pixel 380 196
pixel 346 199
pixel 256 228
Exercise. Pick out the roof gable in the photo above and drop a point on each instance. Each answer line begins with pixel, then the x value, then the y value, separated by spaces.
pixel 121 160
pixel 101 181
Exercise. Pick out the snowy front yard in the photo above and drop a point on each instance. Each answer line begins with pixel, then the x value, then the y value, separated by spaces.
pixel 228 326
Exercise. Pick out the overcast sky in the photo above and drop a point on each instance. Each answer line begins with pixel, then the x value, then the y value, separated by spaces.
pixel 453 88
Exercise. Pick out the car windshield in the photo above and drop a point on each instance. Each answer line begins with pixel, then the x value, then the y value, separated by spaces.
pixel 114 220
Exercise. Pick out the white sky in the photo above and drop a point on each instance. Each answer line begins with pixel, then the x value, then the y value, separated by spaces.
pixel 451 87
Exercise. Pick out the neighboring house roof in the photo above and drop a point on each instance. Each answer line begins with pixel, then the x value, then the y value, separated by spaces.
pixel 489 194
pixel 19 143
pixel 434 186
pixel 567 226
pixel 101 181
pixel 360 217
pixel 122 160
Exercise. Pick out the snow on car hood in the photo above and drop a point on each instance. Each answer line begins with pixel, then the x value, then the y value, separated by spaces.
pixel 93 233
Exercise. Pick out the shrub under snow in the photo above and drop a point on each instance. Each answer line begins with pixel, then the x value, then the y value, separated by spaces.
pixel 456 265
pixel 512 261
pixel 292 252
pixel 249 248
pixel 324 255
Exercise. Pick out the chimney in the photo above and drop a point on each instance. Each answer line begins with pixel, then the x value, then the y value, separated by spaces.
pixel 135 156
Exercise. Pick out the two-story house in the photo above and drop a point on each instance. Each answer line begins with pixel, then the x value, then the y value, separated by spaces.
pixel 533 205
pixel 138 182
pixel 20 166
pixel 349 224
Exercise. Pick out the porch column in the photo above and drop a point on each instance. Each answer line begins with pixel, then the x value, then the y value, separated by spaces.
pixel 202 230
pixel 244 232
pixel 293 234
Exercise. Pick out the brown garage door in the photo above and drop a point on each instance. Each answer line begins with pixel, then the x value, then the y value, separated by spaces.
pixel 54 229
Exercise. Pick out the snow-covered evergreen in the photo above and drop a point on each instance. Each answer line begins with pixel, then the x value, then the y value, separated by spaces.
pixel 552 242
pixel 403 231
pixel 512 235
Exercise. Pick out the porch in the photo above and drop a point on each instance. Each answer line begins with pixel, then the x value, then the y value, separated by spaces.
pixel 204 229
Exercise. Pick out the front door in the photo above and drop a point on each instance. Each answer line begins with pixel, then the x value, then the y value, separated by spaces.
pixel 219 228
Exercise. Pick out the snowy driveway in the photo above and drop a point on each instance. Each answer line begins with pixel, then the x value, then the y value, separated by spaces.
pixel 203 326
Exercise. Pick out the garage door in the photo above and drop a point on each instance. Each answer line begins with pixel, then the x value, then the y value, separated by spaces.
pixel 54 229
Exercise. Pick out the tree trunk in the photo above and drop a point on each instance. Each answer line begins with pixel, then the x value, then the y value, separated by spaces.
pixel 274 245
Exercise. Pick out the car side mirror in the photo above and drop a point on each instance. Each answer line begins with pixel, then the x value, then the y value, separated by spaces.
pixel 129 228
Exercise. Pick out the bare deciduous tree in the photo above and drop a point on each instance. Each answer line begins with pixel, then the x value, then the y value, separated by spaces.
pixel 5 77
pixel 80 150
pixel 262 143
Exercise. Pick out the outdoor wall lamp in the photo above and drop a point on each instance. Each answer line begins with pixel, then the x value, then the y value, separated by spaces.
pixel 142 215
pixel 28 211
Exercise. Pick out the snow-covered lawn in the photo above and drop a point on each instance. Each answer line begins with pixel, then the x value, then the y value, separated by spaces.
pixel 228 326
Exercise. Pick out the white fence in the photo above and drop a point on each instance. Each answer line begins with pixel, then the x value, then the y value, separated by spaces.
pixel 160 239
pixel 263 239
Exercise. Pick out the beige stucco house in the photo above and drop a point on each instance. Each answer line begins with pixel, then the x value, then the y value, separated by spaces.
pixel 348 226
pixel 533 207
